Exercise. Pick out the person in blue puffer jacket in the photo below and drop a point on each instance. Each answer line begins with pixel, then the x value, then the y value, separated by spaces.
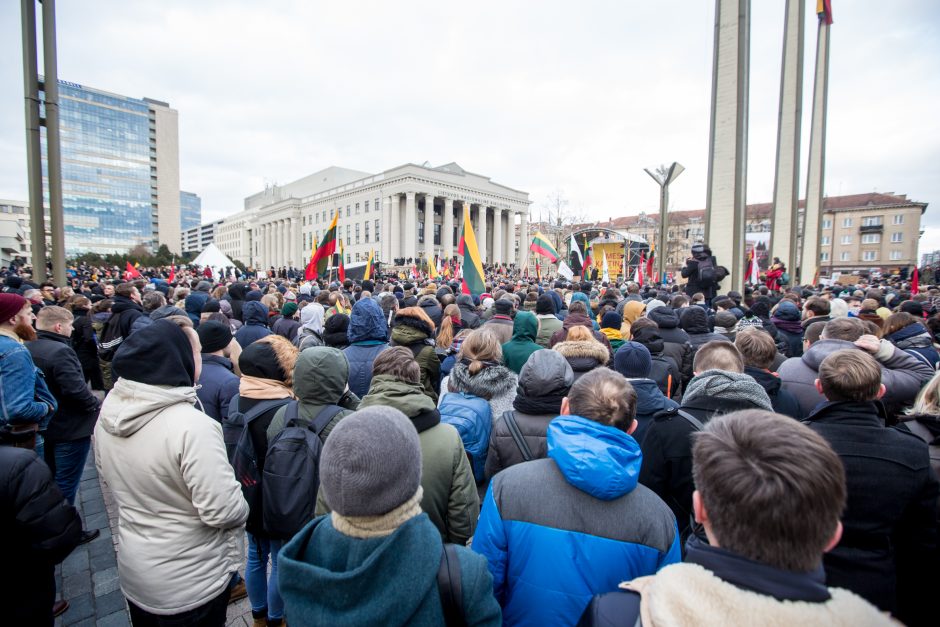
pixel 367 335
pixel 256 324
pixel 589 525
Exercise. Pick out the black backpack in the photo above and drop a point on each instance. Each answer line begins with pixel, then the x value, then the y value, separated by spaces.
pixel 291 475
pixel 706 271
pixel 233 425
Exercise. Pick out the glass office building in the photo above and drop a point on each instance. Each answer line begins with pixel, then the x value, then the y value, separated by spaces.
pixel 112 169
pixel 190 210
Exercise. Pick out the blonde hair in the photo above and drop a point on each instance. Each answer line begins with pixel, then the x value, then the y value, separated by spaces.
pixel 52 315
pixel 580 334
pixel 446 335
pixel 481 345
pixel 928 400
pixel 271 301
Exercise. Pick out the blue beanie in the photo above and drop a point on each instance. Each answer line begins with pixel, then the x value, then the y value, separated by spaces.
pixel 633 361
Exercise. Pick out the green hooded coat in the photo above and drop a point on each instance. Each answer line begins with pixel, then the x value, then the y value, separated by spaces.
pixel 517 350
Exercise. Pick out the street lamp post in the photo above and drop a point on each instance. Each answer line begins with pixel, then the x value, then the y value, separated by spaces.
pixel 664 178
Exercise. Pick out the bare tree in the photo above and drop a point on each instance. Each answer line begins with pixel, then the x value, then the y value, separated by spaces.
pixel 561 217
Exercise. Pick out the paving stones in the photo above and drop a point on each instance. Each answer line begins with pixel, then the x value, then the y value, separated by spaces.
pixel 88 578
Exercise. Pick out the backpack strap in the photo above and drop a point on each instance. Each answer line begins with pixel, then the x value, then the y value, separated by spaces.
pixel 263 407
pixel 695 422
pixel 324 417
pixel 509 417
pixel 291 413
pixel 449 588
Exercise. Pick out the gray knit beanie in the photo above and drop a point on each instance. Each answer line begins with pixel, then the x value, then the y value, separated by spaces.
pixel 371 463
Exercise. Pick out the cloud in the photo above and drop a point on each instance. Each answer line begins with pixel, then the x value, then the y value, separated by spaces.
pixel 539 97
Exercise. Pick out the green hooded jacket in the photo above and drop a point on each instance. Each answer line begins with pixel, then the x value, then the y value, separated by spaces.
pixel 517 350
pixel 320 377
pixel 450 496
pixel 409 331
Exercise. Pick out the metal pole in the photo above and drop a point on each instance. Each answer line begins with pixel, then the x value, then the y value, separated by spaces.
pixel 663 228
pixel 37 227
pixel 53 143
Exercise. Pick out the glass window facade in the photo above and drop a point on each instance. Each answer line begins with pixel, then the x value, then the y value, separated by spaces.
pixel 106 171
pixel 190 210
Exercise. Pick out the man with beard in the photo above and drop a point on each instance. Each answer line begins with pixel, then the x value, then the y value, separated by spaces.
pixel 25 402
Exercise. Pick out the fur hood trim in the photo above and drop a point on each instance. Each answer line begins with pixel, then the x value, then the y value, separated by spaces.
pixel 591 349
pixel 414 323
pixel 489 383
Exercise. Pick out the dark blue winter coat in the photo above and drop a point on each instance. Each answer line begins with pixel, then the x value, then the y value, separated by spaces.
pixel 916 340
pixel 256 323
pixel 557 531
pixel 367 335
pixel 649 402
pixel 218 384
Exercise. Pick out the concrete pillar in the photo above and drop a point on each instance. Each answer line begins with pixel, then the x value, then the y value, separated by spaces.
pixel 812 224
pixel 727 163
pixel 509 229
pixel 497 235
pixel 266 257
pixel 429 226
pixel 296 240
pixel 523 237
pixel 481 233
pixel 785 227
pixel 385 234
pixel 411 227
pixel 447 229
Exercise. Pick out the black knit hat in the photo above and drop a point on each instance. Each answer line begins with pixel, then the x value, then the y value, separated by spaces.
pixel 214 336
pixel 544 305
pixel 158 354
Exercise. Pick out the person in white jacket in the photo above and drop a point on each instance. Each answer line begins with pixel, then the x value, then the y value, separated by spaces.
pixel 181 511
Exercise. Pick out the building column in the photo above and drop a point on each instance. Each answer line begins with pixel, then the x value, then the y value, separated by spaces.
pixel 266 247
pixel 385 236
pixel 429 226
pixel 296 241
pixel 411 227
pixel 508 234
pixel 447 229
pixel 481 233
pixel 497 235
pixel 523 236
pixel 280 243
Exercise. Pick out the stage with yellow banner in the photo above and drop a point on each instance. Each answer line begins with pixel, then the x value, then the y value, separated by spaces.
pixel 614 254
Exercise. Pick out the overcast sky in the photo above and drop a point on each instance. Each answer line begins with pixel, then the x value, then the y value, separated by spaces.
pixel 539 96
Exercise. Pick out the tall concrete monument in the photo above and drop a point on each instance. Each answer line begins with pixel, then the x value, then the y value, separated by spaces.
pixel 783 239
pixel 812 225
pixel 727 163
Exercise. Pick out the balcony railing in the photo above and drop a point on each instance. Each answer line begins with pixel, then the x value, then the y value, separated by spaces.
pixel 873 228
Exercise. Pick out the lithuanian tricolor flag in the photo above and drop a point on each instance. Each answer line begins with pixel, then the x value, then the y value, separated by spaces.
pixel 541 246
pixel 322 255
pixel 432 271
pixel 367 274
pixel 341 270
pixel 473 280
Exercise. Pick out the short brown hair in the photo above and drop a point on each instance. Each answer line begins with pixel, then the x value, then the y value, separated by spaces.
pixel 398 362
pixel 848 329
pixel 897 321
pixel 773 488
pixel 718 355
pixel 818 305
pixel 52 315
pixel 812 332
pixel 678 301
pixel 757 347
pixel 125 289
pixel 850 374
pixel 577 306
pixel 604 396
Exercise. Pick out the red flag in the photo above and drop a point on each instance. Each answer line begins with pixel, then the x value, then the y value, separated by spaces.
pixel 341 269
pixel 131 271
pixel 915 282
pixel 172 274
pixel 649 264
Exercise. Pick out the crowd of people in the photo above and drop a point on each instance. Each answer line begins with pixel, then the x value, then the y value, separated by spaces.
pixel 549 452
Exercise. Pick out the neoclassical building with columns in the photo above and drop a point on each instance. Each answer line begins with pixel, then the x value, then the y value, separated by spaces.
pixel 408 212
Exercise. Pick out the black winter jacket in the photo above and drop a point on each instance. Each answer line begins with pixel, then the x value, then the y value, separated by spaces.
pixel 78 408
pixel 676 341
pixel 40 529
pixel 888 551
pixel 783 401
